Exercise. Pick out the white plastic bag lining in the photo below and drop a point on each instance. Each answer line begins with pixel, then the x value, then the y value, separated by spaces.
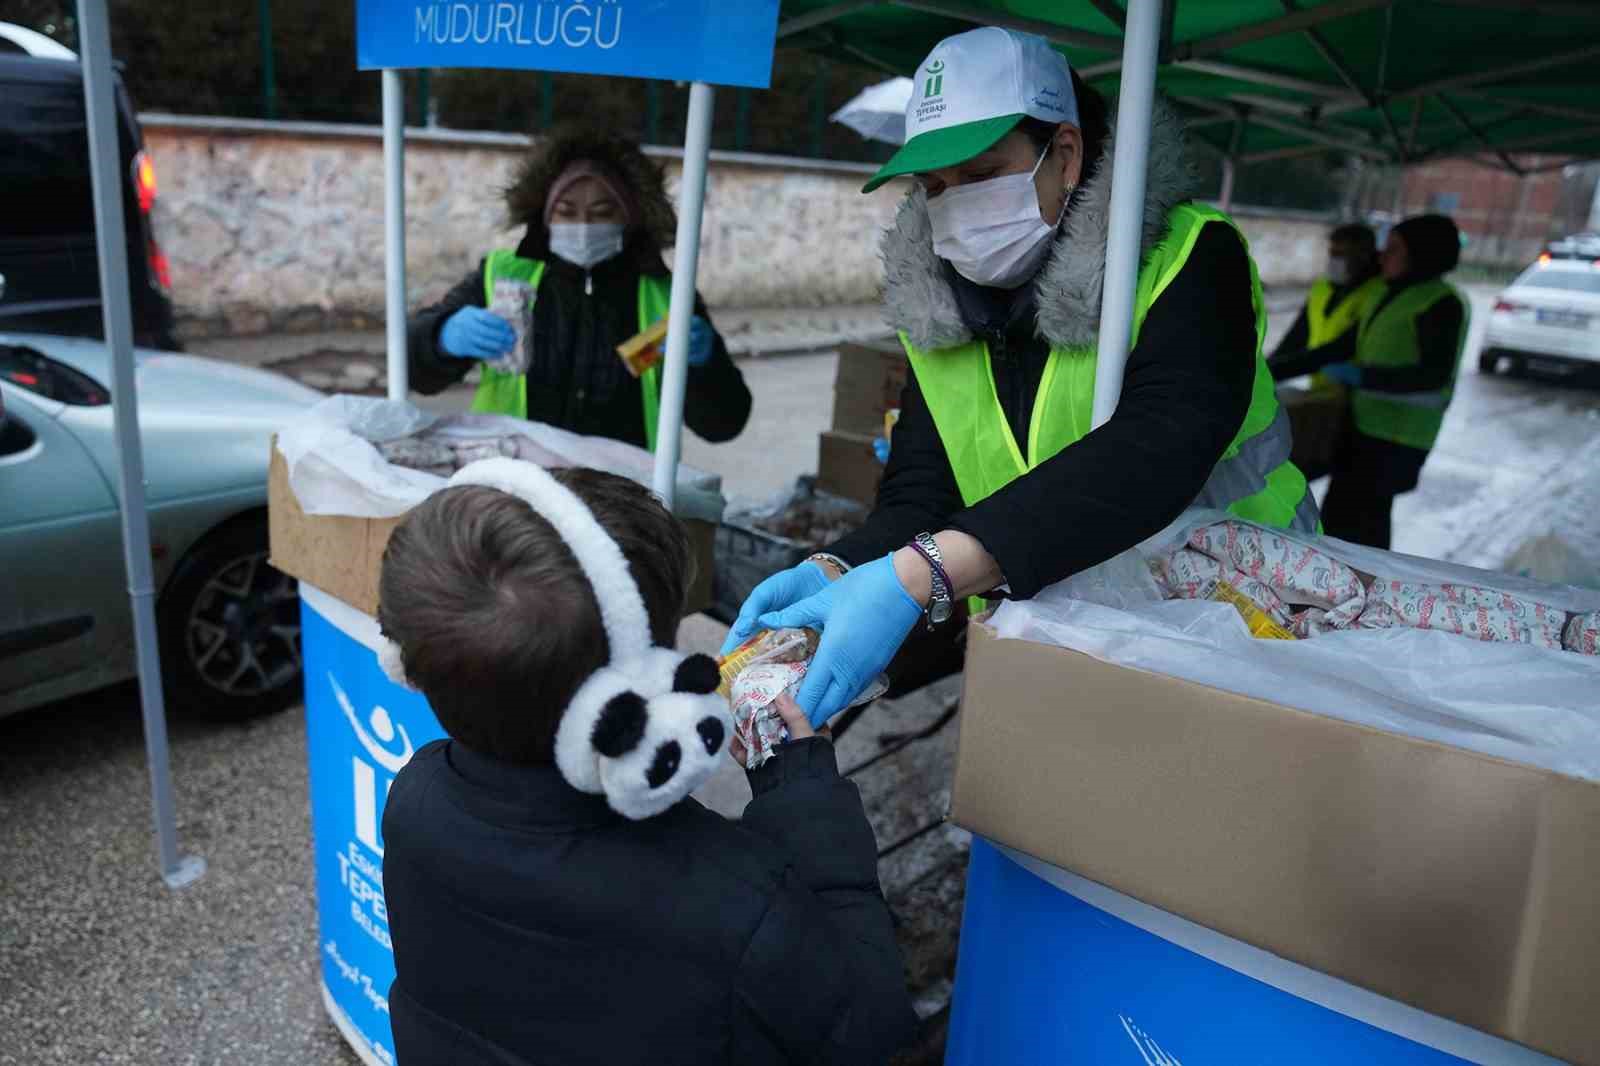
pixel 334 469
pixel 1519 702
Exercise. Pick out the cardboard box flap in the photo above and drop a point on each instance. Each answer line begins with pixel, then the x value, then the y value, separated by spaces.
pixel 1458 883
pixel 343 556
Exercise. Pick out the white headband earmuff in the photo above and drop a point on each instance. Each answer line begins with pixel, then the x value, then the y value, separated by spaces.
pixel 645 729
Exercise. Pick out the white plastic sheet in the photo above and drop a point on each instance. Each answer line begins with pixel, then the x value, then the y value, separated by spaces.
pixel 335 468
pixel 1519 702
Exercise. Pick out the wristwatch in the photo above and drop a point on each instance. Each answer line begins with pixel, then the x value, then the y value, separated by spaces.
pixel 941 603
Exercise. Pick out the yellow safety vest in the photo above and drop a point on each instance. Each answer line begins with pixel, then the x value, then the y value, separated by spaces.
pixel 1388 338
pixel 500 393
pixel 1324 326
pixel 1254 478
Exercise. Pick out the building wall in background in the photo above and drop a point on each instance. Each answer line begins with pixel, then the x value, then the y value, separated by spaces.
pixel 276 226
pixel 1507 219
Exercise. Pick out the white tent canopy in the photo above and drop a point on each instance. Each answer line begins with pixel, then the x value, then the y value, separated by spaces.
pixel 878 112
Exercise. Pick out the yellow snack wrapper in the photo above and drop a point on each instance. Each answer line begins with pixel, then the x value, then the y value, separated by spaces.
pixel 644 350
pixel 1261 626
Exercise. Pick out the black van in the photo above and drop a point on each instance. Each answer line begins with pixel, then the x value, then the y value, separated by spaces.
pixel 48 273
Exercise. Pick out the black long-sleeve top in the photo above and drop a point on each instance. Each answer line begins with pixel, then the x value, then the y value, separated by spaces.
pixel 1438 342
pixel 576 380
pixel 1184 396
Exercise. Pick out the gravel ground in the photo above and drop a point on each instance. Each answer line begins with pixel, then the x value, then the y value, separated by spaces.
pixel 99 961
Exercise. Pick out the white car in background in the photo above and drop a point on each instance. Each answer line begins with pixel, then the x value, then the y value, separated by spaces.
pixel 1550 314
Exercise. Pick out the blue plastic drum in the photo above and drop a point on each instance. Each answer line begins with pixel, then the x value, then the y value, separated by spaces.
pixel 360 730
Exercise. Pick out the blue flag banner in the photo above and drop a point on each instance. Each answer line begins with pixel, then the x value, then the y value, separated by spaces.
pixel 715 41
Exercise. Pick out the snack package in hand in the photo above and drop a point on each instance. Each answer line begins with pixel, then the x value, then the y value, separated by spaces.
pixel 513 301
pixel 761 669
pixel 644 350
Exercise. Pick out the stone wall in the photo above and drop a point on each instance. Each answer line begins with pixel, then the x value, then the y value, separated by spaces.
pixel 279 226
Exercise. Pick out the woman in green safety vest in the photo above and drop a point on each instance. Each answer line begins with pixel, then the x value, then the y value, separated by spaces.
pixel 596 219
pixel 1337 299
pixel 1400 365
pixel 995 483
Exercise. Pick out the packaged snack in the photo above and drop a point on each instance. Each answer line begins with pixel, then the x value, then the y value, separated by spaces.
pixel 644 350
pixel 768 646
pixel 1299 573
pixel 1583 634
pixel 1186 574
pixel 760 670
pixel 513 301
pixel 1261 625
pixel 1479 613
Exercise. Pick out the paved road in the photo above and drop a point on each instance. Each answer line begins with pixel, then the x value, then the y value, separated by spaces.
pixel 100 964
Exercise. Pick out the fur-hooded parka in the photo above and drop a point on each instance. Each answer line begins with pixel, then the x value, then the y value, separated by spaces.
pixel 567 144
pixel 917 294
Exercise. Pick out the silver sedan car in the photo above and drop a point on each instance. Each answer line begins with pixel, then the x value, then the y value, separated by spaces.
pixel 229 623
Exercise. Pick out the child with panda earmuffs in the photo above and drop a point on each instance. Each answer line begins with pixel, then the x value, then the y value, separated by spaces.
pixel 553 893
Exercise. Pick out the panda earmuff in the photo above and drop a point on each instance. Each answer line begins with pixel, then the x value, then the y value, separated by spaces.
pixel 645 729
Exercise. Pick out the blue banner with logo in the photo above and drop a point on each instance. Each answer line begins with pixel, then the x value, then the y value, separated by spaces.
pixel 361 728
pixel 1046 977
pixel 679 40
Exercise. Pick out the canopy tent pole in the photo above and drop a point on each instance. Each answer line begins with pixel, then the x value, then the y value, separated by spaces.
pixel 1134 104
pixel 685 259
pixel 394 231
pixel 94 39
pixel 1225 201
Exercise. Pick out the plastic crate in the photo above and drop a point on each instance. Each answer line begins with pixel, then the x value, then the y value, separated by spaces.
pixel 747 554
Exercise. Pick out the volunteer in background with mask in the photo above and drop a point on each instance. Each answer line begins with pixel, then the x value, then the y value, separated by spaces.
pixel 1399 364
pixel 597 218
pixel 1337 300
pixel 993 275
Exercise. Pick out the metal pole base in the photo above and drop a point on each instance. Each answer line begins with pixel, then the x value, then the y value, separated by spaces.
pixel 190 869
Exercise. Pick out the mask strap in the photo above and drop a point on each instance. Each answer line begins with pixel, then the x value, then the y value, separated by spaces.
pixel 1066 196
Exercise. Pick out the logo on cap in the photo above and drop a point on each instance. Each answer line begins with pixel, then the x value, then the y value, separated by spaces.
pixel 935 86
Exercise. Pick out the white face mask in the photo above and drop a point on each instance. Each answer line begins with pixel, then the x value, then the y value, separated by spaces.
pixel 1338 269
pixel 990 231
pixel 586 243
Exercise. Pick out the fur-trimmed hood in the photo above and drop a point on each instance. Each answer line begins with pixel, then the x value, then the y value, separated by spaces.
pixel 917 294
pixel 553 153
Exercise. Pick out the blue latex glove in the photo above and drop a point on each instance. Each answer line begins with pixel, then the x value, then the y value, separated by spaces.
pixel 880 448
pixel 476 333
pixel 702 339
pixel 1347 374
pixel 783 589
pixel 864 616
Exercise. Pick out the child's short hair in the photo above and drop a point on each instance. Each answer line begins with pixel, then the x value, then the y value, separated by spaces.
pixel 495 621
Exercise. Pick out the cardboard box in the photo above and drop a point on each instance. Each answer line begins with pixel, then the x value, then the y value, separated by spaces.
pixel 868 383
pixel 1461 884
pixel 847 466
pixel 342 556
pixel 1318 419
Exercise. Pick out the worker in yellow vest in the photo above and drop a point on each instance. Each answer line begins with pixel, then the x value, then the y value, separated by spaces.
pixel 597 218
pixel 994 267
pixel 1336 301
pixel 1400 364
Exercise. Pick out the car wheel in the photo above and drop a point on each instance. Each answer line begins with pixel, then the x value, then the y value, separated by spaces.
pixel 230 627
pixel 1488 361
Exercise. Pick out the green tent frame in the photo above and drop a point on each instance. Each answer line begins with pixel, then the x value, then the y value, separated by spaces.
pixel 1393 81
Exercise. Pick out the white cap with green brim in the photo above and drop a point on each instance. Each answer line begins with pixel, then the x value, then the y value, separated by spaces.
pixel 971 91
